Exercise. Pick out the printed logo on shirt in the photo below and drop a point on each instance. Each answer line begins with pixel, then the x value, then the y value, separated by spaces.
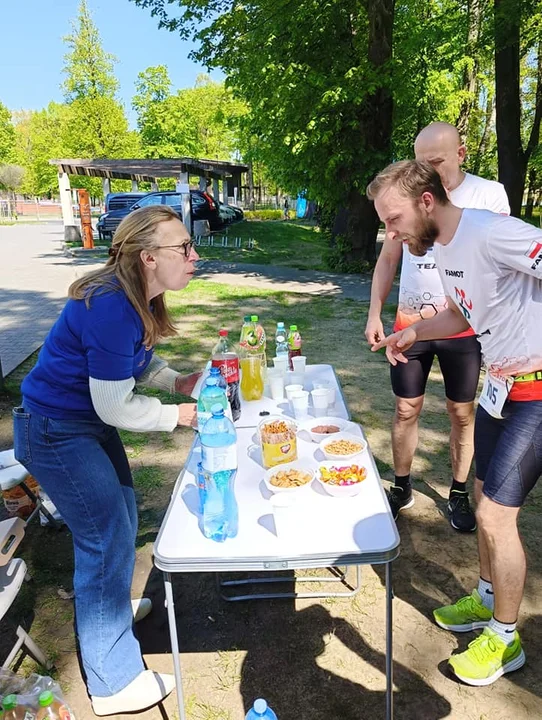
pixel 454 273
pixel 534 250
pixel 464 304
pixel 537 262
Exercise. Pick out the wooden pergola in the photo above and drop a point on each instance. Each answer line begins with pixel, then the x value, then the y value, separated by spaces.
pixel 148 171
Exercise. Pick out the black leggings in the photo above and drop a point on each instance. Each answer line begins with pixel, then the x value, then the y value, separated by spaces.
pixel 459 359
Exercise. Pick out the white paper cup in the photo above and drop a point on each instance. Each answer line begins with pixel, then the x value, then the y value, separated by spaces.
pixel 320 399
pixel 281 363
pixel 276 386
pixel 290 389
pixel 300 403
pixel 283 515
pixel 299 363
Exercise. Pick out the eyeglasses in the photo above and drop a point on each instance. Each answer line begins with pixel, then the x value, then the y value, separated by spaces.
pixel 185 247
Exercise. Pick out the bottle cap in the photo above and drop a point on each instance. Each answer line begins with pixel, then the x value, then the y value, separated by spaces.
pixel 280 324
pixel 217 409
pixel 260 706
pixel 46 698
pixel 293 327
pixel 215 370
pixel 223 333
pixel 246 318
pixel 254 318
pixel 9 702
pixel 211 381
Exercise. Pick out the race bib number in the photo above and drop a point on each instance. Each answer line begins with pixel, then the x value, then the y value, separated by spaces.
pixel 494 394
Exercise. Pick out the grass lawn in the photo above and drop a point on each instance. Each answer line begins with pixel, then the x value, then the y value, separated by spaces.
pixel 312 659
pixel 291 243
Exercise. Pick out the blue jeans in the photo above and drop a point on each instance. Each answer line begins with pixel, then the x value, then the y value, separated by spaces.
pixel 83 468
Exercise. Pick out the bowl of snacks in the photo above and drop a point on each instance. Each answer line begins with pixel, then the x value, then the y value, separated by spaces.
pixel 278 440
pixel 342 446
pixel 289 477
pixel 322 427
pixel 341 479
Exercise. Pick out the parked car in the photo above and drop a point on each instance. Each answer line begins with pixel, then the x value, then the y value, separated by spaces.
pixel 230 214
pixel 115 201
pixel 203 207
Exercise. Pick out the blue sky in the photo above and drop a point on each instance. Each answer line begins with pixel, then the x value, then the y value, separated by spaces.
pixel 31 60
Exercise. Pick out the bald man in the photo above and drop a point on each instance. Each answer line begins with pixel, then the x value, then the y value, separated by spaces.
pixel 421 296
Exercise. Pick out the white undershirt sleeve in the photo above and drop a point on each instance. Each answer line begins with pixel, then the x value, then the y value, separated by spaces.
pixel 158 375
pixel 116 404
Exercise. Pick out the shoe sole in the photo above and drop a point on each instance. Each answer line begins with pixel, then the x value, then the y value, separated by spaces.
pixel 509 667
pixel 467 627
pixel 449 511
pixel 409 504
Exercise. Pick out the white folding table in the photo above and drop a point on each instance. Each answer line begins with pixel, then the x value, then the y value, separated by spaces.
pixel 332 531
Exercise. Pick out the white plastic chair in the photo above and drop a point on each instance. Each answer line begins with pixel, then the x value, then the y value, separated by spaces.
pixel 12 574
pixel 12 474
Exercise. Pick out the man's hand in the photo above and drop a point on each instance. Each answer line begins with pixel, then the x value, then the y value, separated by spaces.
pixel 188 415
pixel 374 330
pixel 184 384
pixel 397 344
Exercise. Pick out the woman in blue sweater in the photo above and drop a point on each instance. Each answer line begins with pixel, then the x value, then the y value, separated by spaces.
pixel 81 390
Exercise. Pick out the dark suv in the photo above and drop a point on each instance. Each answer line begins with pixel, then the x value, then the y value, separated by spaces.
pixel 203 207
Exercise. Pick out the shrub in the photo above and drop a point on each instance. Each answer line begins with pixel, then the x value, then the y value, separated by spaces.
pixel 263 214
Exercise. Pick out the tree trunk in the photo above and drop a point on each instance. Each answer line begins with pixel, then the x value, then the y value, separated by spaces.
pixel 512 163
pixel 530 193
pixel 474 19
pixel 489 121
pixel 376 127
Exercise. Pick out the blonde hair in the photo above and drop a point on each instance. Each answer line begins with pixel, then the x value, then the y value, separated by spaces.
pixel 124 271
pixel 411 178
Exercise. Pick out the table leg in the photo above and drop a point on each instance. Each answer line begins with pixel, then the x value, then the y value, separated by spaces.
pixel 389 644
pixel 174 644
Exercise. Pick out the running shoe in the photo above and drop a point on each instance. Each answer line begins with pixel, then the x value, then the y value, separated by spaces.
pixel 399 499
pixel 460 513
pixel 487 658
pixel 468 613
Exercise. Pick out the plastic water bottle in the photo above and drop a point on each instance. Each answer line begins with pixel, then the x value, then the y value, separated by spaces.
pixel 211 394
pixel 260 709
pixel 214 372
pixel 281 341
pixel 219 465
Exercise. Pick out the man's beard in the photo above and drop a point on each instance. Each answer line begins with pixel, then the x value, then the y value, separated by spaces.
pixel 423 238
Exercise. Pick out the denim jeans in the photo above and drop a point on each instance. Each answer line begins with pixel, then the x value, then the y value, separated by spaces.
pixel 83 468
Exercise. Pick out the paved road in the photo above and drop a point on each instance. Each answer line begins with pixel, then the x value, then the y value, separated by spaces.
pixel 34 279
pixel 35 275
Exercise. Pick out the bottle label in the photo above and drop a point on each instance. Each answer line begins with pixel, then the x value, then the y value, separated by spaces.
pixel 215 459
pixel 294 341
pixel 255 340
pixel 229 367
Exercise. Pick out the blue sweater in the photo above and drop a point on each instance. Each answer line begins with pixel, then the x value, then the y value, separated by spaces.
pixel 104 341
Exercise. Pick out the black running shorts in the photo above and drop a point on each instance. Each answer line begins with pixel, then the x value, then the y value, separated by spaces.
pixel 459 359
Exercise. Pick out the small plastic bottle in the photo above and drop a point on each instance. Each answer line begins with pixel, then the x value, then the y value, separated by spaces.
pixel 281 340
pixel 294 344
pixel 13 710
pixel 51 708
pixel 211 394
pixel 260 711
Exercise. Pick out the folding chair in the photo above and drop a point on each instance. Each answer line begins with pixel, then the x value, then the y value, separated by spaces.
pixel 12 474
pixel 12 574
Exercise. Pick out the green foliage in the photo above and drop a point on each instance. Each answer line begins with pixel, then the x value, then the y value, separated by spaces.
pixel 264 214
pixel 7 134
pixel 88 68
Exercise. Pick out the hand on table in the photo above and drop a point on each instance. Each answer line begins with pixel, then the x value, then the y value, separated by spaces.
pixel 396 345
pixel 184 384
pixel 187 415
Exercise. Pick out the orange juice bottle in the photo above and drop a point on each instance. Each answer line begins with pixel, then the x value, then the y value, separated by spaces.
pixel 51 708
pixel 251 377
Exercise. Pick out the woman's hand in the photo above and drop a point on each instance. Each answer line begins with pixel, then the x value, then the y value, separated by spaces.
pixel 397 344
pixel 184 384
pixel 188 415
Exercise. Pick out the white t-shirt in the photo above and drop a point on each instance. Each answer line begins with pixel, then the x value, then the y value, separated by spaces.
pixel 497 284
pixel 421 294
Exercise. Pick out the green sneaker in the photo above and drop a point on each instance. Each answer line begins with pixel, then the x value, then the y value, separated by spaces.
pixel 466 614
pixel 487 658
